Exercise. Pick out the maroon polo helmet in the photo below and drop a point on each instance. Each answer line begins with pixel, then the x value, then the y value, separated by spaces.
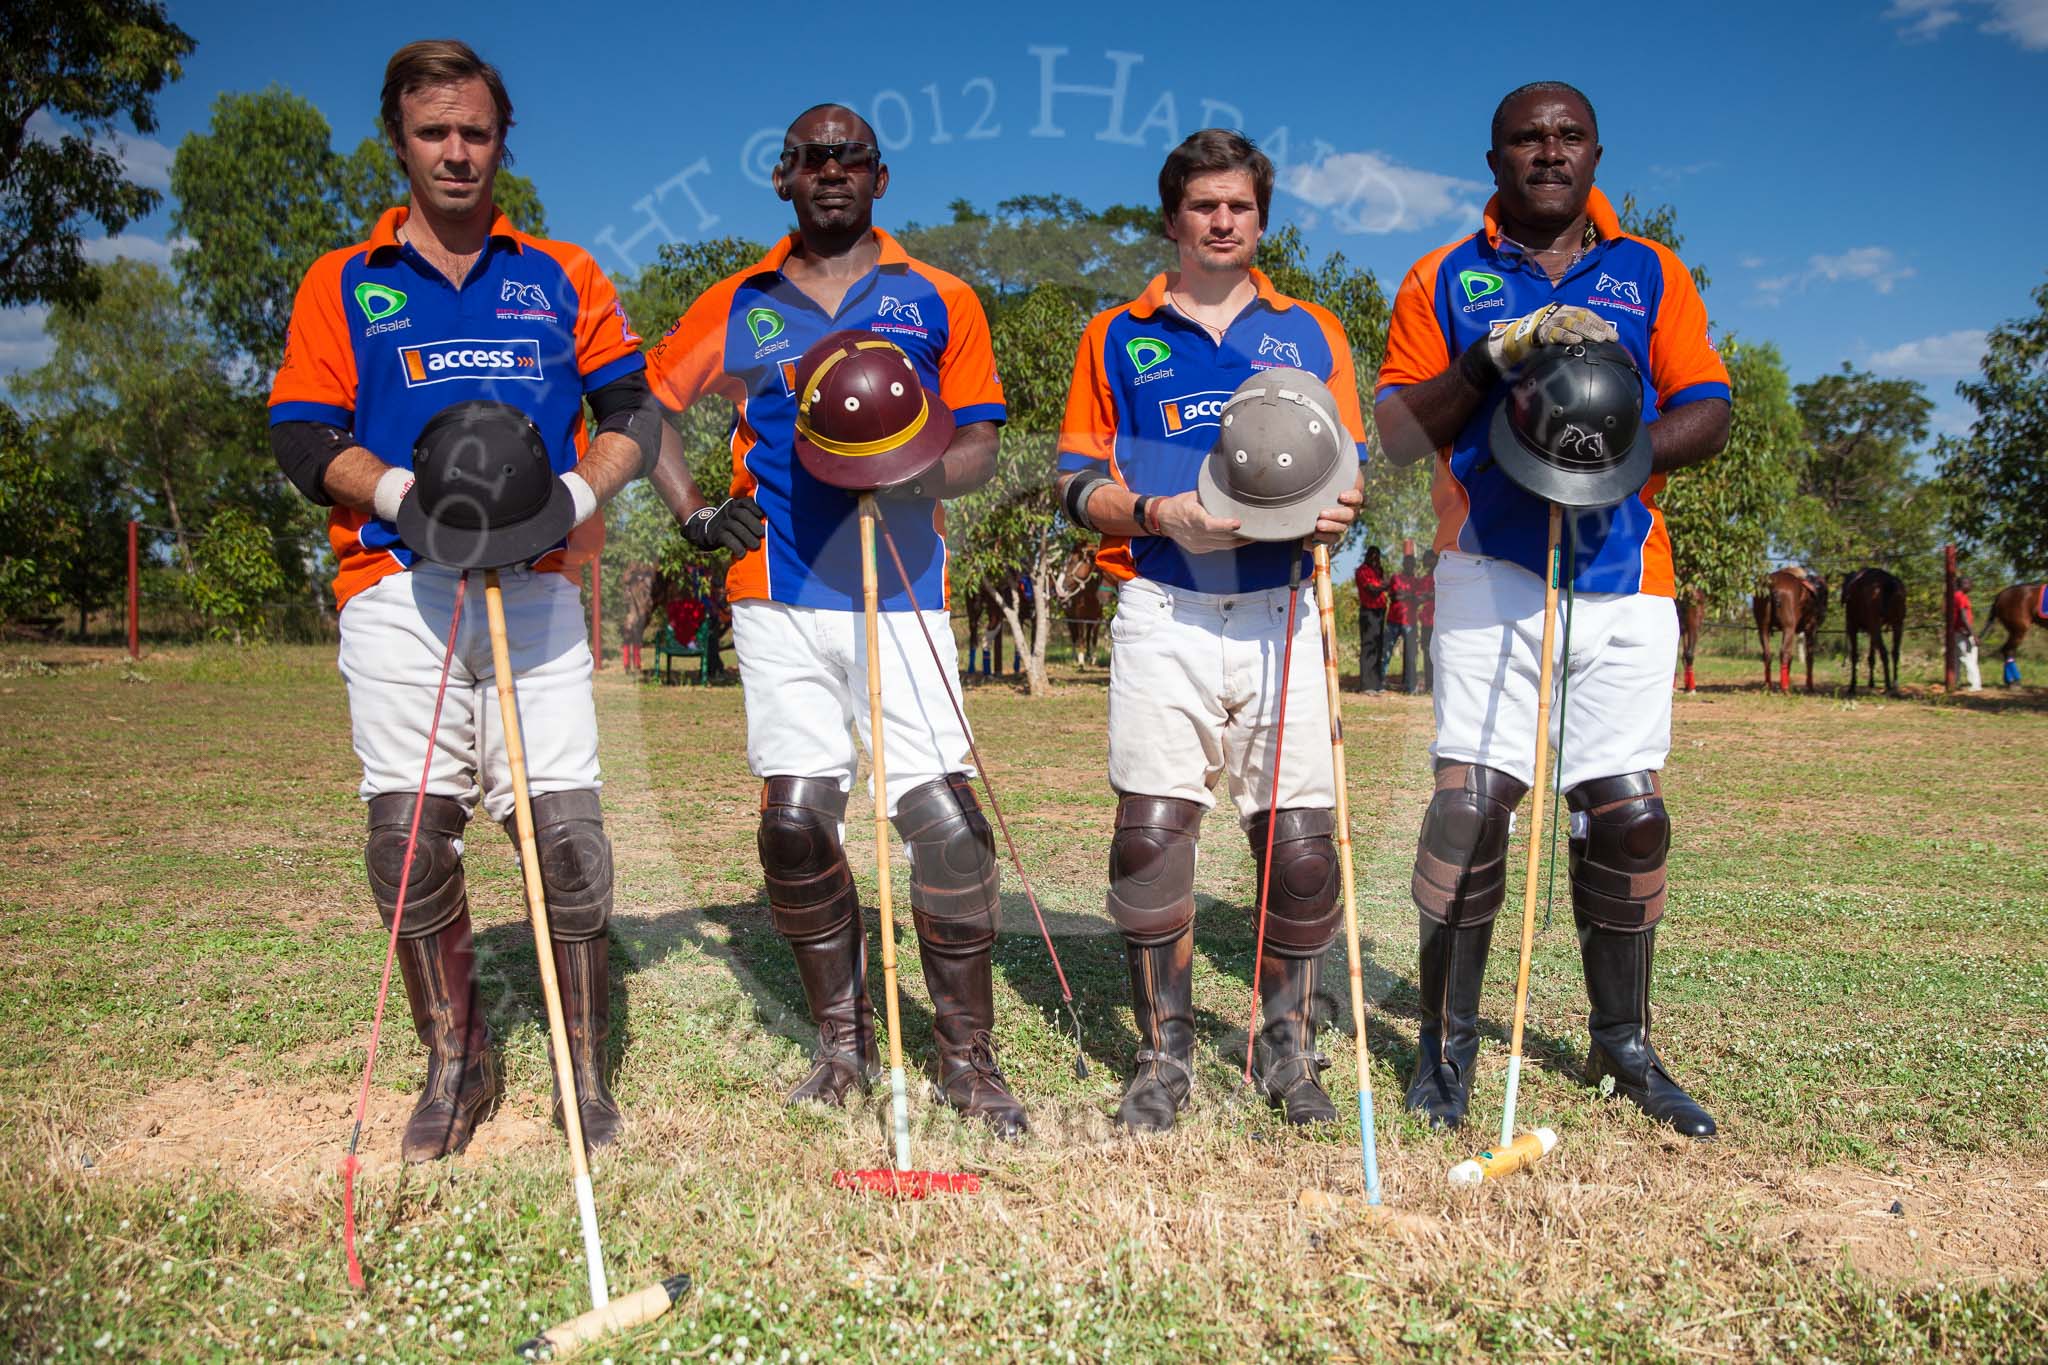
pixel 863 419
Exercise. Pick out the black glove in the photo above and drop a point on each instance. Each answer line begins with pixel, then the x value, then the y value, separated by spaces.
pixel 736 524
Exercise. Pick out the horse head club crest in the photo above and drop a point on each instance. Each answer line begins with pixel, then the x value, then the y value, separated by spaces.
pixel 897 310
pixel 1621 289
pixel 525 295
pixel 1286 352
pixel 1576 440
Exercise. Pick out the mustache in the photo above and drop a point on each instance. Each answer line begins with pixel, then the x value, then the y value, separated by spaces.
pixel 1549 178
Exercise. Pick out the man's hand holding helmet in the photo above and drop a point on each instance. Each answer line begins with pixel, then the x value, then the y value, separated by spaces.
pixel 1510 342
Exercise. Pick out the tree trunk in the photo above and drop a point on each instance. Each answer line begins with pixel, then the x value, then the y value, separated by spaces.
pixel 177 524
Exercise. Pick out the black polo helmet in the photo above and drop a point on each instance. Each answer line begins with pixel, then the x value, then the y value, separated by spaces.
pixel 484 493
pixel 1570 429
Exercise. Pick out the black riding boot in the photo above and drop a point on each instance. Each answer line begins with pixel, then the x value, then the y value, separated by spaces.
pixel 1289 1067
pixel 583 970
pixel 1618 985
pixel 1162 1002
pixel 1453 967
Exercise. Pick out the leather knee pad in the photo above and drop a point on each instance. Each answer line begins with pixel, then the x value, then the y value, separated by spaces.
pixel 435 894
pixel 1619 840
pixel 1461 874
pixel 575 863
pixel 1301 899
pixel 954 891
pixel 810 886
pixel 1152 868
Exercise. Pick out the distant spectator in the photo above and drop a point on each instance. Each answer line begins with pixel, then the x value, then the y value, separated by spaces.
pixel 1964 623
pixel 1372 622
pixel 1401 617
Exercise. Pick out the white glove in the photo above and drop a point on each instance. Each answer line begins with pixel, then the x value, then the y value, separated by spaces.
pixel 581 495
pixel 392 486
pixel 1510 343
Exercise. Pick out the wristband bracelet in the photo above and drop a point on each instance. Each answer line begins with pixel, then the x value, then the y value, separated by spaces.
pixel 1141 512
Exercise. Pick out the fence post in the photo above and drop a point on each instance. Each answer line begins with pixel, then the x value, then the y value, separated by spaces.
pixel 134 597
pixel 596 614
pixel 1948 618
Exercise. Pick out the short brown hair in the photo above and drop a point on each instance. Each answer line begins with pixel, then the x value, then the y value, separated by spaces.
pixel 439 61
pixel 1207 152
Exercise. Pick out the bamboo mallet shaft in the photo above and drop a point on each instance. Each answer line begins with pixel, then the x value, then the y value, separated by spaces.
pixel 543 941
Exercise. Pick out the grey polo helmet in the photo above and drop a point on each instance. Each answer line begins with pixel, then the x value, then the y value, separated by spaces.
pixel 1281 456
pixel 1570 429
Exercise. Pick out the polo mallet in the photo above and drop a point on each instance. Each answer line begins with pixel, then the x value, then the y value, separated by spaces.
pixel 1515 1153
pixel 899 1098
pixel 1273 805
pixel 349 1163
pixel 1367 1142
pixel 988 785
pixel 651 1302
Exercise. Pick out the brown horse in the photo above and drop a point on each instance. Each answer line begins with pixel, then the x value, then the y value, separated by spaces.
pixel 1692 619
pixel 1077 587
pixel 979 605
pixel 646 595
pixel 1874 601
pixel 1794 601
pixel 2018 608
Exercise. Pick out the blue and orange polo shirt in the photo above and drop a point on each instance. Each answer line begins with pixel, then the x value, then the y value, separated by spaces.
pixel 742 339
pixel 380 341
pixel 1148 392
pixel 1450 299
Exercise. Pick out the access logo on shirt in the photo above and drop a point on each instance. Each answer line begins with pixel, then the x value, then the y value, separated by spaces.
pixel 470 358
pixel 1192 411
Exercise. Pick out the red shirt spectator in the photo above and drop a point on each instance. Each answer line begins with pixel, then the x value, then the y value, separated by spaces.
pixel 1372 588
pixel 686 618
pixel 1401 611
pixel 1425 601
pixel 1959 609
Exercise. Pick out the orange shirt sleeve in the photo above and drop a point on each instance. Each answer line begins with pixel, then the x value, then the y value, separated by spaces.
pixel 1088 431
pixel 1343 379
pixel 689 360
pixel 317 381
pixel 968 383
pixel 1684 366
pixel 1416 349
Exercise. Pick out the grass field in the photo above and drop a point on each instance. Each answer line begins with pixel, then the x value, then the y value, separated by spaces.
pixel 1853 978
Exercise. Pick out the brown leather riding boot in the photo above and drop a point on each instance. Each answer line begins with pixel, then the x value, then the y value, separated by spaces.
pixel 833 968
pixel 1162 1005
pixel 462 1076
pixel 1287 1066
pixel 964 1012
pixel 584 970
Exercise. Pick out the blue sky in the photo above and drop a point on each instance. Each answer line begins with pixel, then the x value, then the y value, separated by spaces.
pixel 1863 180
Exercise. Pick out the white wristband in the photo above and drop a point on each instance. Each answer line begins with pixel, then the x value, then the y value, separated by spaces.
pixel 392 486
pixel 581 495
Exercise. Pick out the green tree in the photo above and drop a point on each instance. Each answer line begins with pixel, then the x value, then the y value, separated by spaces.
pixel 236 573
pixel 1860 500
pixel 1011 527
pixel 1998 475
pixel 262 194
pixel 96 512
pixel 1722 514
pixel 1036 240
pixel 138 386
pixel 1659 224
pixel 32 524
pixel 91 63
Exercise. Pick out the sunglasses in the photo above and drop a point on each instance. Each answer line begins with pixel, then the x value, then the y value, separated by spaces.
pixel 851 156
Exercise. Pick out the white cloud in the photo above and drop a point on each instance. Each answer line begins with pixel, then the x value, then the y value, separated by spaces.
pixel 22 343
pixel 1369 192
pixel 2023 21
pixel 134 248
pixel 145 160
pixel 1684 172
pixel 1878 266
pixel 1752 262
pixel 1949 355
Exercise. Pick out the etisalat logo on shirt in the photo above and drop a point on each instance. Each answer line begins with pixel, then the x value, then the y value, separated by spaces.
pixel 1482 290
pixel 379 302
pixel 764 324
pixel 1147 355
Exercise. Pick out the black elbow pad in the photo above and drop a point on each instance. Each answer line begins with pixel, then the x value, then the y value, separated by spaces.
pixel 303 450
pixel 628 406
